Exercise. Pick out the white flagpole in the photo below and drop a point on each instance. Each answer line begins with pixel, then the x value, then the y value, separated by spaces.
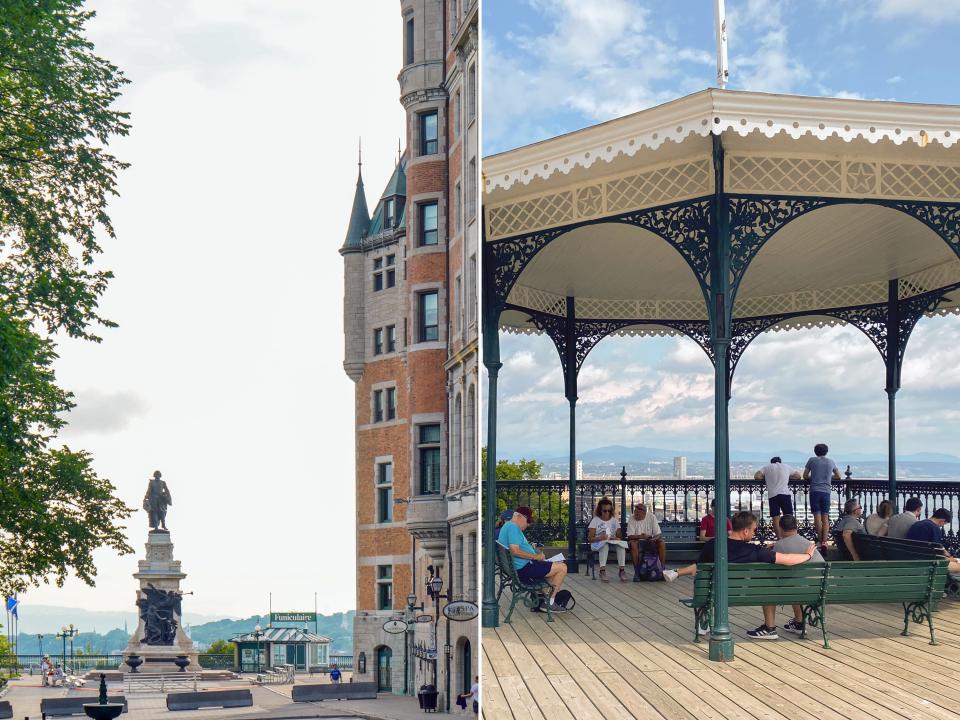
pixel 723 70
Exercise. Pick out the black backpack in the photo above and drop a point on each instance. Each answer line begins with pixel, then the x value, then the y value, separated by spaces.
pixel 565 599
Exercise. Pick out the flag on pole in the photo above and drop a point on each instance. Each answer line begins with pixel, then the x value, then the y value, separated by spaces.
pixel 12 605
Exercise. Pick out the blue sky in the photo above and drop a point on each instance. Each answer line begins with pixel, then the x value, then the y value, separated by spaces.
pixel 553 66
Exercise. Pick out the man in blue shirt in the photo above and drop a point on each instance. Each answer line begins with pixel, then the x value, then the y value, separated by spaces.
pixel 820 470
pixel 931 531
pixel 530 564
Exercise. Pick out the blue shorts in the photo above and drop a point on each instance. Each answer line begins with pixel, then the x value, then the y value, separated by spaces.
pixel 535 570
pixel 820 502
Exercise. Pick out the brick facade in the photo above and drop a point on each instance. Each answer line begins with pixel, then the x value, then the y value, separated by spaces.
pixel 429 378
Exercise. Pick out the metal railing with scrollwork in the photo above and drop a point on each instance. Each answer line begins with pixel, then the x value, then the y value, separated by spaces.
pixel 674 500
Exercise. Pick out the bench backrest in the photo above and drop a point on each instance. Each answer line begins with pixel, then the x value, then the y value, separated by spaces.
pixel 679 531
pixel 886 581
pixel 505 563
pixel 873 547
pixel 841 582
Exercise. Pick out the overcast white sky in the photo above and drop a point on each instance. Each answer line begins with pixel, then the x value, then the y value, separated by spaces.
pixel 225 372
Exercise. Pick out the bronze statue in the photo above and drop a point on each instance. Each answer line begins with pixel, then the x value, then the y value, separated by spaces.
pixel 159 610
pixel 156 501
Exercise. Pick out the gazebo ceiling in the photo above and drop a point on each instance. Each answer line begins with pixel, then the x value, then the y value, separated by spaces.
pixel 775 145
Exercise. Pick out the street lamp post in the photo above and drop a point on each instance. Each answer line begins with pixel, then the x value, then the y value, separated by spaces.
pixel 434 586
pixel 65 633
pixel 408 642
pixel 40 640
pixel 257 634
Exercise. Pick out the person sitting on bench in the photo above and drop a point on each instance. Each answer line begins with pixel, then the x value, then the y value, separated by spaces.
pixel 604 531
pixel 878 523
pixel 740 549
pixel 643 528
pixel 708 525
pixel 931 531
pixel 847 526
pixel 791 542
pixel 530 564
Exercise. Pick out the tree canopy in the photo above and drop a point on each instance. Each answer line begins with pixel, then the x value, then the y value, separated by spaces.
pixel 56 176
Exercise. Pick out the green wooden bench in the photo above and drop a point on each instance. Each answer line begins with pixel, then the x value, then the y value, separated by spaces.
pixel 873 547
pixel 533 593
pixel 916 584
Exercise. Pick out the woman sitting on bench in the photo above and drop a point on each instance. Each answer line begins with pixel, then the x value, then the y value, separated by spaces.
pixel 604 531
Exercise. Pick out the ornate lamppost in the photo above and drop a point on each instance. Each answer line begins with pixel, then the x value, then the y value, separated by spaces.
pixel 257 634
pixel 40 641
pixel 67 632
pixel 411 620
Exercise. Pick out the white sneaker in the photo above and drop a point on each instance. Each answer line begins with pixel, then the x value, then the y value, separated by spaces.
pixel 670 575
pixel 701 631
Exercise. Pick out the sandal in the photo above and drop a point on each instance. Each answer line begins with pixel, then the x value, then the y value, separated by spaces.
pixel 603 575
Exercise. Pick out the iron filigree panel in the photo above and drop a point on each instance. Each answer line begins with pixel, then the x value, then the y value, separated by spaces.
pixel 511 256
pixel 686 227
pixel 753 221
pixel 943 219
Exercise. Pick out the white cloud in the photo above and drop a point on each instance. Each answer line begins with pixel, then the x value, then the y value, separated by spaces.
pixel 931 11
pixel 894 80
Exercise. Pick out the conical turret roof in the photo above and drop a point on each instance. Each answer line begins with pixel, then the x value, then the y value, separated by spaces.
pixel 359 217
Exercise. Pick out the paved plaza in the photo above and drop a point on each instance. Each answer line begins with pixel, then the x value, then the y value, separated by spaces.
pixel 270 702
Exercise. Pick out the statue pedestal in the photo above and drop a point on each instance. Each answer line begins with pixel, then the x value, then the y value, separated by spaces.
pixel 159 571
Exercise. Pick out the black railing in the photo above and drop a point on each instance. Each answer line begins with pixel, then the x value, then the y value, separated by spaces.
pixel 77 664
pixel 687 500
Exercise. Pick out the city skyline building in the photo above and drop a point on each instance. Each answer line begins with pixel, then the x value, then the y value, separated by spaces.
pixel 410 346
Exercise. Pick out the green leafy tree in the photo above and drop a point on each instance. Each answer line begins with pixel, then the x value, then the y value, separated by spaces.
pixel 221 647
pixel 551 507
pixel 56 119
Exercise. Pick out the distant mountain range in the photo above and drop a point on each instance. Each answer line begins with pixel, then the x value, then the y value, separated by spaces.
pixel 106 632
pixel 623 454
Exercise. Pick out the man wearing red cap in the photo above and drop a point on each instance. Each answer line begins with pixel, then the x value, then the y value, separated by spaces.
pixel 530 564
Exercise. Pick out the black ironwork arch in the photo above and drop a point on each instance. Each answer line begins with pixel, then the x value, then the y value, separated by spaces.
pixel 685 226
pixel 589 332
pixel 754 219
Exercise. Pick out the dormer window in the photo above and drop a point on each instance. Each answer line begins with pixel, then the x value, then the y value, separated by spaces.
pixel 389 213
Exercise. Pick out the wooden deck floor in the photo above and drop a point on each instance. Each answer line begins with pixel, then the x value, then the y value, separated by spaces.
pixel 626 652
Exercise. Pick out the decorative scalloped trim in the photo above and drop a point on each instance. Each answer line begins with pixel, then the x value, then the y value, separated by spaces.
pixel 724 115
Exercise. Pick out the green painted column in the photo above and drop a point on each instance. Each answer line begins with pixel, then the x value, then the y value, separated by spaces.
pixel 490 333
pixel 893 384
pixel 721 641
pixel 570 380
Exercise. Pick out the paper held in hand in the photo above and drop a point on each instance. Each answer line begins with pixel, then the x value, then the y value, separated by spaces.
pixel 556 558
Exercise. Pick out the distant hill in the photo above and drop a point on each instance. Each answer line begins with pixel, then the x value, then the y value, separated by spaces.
pixel 48 619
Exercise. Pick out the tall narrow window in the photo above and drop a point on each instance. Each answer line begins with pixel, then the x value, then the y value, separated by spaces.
pixel 391 403
pixel 472 282
pixel 378 406
pixel 472 190
pixel 391 338
pixel 454 18
pixel 388 213
pixel 391 273
pixel 457 207
pixel 457 113
pixel 408 44
pixel 384 492
pixel 428 456
pixel 428 224
pixel 471 92
pixel 429 328
pixel 377 274
pixel 384 587
pixel 428 133
pixel 378 341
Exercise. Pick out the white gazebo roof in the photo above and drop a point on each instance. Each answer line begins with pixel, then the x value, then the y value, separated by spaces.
pixel 870 154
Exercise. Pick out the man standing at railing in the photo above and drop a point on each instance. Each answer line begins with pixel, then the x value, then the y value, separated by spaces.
pixel 820 470
pixel 777 474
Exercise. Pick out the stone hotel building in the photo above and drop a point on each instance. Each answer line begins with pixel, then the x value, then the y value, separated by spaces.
pixel 410 346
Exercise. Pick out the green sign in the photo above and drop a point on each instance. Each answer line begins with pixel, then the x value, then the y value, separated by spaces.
pixel 293 617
